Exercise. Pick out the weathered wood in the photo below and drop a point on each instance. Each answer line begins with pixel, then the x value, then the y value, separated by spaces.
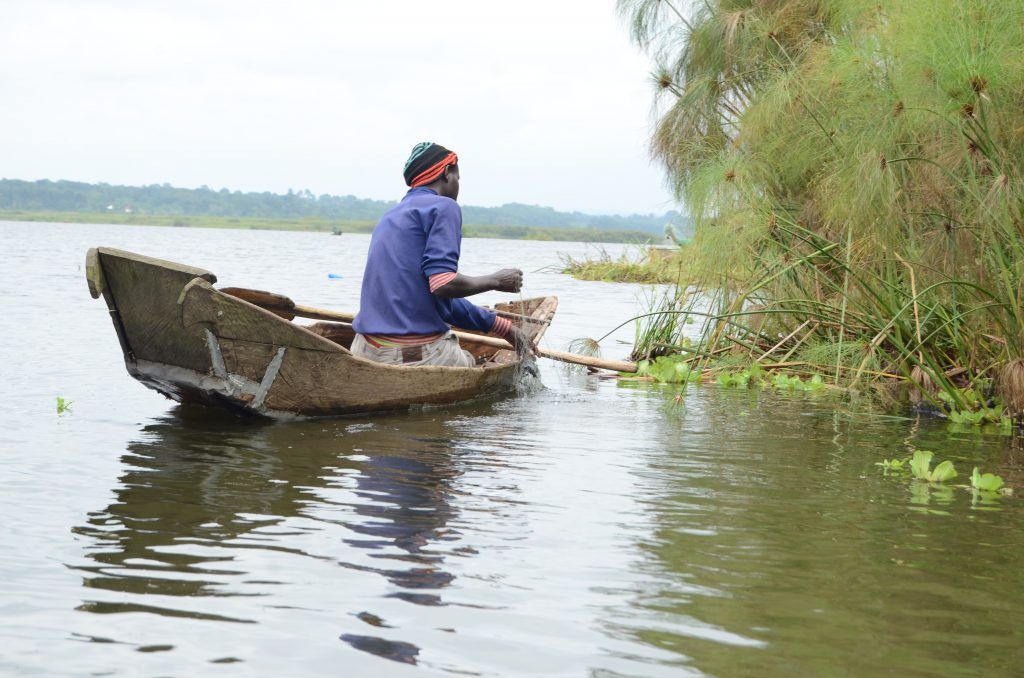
pixel 233 318
pixel 198 344
pixel 94 273
pixel 142 291
pixel 339 333
pixel 277 304
pixel 317 376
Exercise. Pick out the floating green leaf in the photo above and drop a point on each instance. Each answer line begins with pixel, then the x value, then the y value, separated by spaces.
pixel 892 464
pixel 667 370
pixel 986 482
pixel 943 472
pixel 986 415
pixel 740 379
pixel 785 382
pixel 921 462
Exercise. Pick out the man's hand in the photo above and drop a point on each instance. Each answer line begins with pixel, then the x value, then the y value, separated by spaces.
pixel 508 280
pixel 523 345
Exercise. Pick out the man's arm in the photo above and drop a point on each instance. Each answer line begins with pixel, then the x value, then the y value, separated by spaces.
pixel 463 314
pixel 456 285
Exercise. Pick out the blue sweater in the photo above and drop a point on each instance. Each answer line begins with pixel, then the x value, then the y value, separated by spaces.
pixel 419 237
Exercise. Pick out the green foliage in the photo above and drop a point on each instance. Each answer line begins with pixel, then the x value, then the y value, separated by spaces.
pixel 784 382
pixel 983 485
pixel 780 381
pixel 323 225
pixel 651 265
pixel 965 399
pixel 986 415
pixel 63 405
pixel 133 201
pixel 667 370
pixel 737 379
pixel 968 407
pixel 855 171
pixel 985 482
pixel 893 464
pixel 920 463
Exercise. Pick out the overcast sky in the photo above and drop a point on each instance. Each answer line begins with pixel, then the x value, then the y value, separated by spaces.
pixel 545 101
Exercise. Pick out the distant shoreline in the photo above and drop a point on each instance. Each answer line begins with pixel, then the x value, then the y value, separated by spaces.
pixel 314 224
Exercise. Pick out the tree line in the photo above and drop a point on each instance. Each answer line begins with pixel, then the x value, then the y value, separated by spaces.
pixel 164 199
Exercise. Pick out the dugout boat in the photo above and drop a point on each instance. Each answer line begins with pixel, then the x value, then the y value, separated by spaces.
pixel 195 343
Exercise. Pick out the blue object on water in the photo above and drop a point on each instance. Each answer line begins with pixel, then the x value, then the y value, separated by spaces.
pixel 336 276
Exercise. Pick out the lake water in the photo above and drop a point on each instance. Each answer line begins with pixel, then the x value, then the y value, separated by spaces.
pixel 592 528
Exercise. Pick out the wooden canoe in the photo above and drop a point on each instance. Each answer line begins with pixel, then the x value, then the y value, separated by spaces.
pixel 194 343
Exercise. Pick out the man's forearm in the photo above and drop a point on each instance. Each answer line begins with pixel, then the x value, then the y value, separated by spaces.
pixel 466 286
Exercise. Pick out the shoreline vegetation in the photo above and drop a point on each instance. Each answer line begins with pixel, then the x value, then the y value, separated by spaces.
pixel 663 265
pixel 854 172
pixel 166 205
pixel 335 226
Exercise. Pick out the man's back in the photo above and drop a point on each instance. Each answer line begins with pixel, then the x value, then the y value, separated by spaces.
pixel 413 292
pixel 418 238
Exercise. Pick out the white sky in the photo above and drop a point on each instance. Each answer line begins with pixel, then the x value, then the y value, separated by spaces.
pixel 545 101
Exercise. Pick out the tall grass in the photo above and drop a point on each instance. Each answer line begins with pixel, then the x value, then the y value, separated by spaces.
pixel 855 172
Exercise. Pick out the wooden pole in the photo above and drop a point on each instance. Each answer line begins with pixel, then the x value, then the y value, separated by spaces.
pixel 563 356
pixel 286 308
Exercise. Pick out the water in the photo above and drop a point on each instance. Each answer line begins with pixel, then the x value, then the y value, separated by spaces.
pixel 589 529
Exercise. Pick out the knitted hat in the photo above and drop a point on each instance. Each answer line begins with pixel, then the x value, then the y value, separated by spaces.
pixel 426 163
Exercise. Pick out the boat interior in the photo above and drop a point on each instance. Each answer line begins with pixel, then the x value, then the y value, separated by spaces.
pixel 530 315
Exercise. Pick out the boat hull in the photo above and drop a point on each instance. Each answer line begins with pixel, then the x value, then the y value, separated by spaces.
pixel 184 338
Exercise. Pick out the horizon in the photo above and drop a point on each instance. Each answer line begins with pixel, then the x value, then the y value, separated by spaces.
pixel 340 195
pixel 262 97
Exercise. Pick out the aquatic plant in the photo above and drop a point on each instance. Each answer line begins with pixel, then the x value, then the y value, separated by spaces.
pixel 646 265
pixel 986 482
pixel 738 379
pixel 63 405
pixel 784 382
pixel 856 174
pixel 982 484
pixel 667 370
pixel 892 464
pixel 985 415
pixel 920 463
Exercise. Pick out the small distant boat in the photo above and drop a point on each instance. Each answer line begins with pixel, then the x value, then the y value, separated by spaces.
pixel 194 343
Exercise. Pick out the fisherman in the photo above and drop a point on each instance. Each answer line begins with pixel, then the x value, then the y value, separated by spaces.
pixel 412 290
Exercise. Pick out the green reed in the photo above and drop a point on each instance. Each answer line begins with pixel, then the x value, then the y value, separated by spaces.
pixel 855 173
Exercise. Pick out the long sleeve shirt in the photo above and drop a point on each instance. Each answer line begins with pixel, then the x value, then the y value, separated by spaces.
pixel 416 240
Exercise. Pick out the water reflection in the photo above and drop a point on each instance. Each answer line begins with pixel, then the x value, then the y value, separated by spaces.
pixel 778 536
pixel 191 479
pixel 405 505
pixel 200 486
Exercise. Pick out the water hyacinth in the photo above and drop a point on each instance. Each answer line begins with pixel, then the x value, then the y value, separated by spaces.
pixel 985 482
pixel 920 463
pixel 856 174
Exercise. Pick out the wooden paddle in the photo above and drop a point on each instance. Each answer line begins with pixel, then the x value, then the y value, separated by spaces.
pixel 288 309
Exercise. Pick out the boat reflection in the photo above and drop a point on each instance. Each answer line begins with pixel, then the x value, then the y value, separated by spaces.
pixel 199 485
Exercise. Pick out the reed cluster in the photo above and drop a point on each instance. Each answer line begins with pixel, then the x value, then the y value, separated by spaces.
pixel 646 265
pixel 854 169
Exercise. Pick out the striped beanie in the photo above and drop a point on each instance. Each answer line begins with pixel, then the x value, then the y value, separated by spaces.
pixel 426 163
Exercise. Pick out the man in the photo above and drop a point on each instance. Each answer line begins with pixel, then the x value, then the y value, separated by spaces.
pixel 412 288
